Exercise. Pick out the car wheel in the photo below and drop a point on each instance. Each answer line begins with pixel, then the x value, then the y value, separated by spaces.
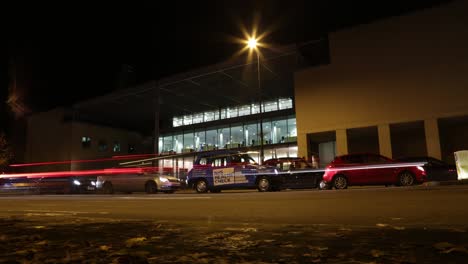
pixel 263 184
pixel 107 188
pixel 340 182
pixel 323 186
pixel 150 187
pixel 406 178
pixel 201 186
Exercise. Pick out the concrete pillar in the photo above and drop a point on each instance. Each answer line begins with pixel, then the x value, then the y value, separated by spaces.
pixel 302 150
pixel 385 142
pixel 431 129
pixel 341 142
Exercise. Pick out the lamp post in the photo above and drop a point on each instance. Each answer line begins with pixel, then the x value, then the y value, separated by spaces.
pixel 252 44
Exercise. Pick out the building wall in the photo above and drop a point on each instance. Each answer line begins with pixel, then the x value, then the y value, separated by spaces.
pixel 400 69
pixel 50 138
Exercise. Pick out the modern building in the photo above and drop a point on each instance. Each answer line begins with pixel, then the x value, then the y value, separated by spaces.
pixel 396 86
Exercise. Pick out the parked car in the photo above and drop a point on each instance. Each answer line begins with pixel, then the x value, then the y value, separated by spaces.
pixel 370 169
pixel 145 181
pixel 39 185
pixel 297 172
pixel 436 170
pixel 228 169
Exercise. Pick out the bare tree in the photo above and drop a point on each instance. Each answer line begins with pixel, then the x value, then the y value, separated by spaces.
pixel 6 153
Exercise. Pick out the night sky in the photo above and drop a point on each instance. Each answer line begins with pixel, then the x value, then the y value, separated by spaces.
pixel 65 53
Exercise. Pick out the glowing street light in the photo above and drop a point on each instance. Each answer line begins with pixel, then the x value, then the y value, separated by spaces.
pixel 253 44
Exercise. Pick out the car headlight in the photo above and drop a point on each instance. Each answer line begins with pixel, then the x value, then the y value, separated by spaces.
pixel 420 168
pixel 77 182
pixel 163 179
pixel 93 183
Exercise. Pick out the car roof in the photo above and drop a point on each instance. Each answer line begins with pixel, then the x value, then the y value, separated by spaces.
pixel 285 159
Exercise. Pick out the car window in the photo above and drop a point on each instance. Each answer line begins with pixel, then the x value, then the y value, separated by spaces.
pixel 218 162
pixel 436 162
pixel 376 159
pixel 353 159
pixel 287 165
pixel 236 159
pixel 300 164
pixel 202 161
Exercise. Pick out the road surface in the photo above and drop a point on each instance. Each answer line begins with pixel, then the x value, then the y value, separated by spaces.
pixel 358 225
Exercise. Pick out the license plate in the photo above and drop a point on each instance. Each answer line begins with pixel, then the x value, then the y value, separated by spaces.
pixel 91 188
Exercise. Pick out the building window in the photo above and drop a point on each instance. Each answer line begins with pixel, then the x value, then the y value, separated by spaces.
pixel 222 114
pixel 255 108
pixel 270 106
pixel 167 145
pixel 198 118
pixel 211 142
pixel 116 146
pixel 131 148
pixel 188 120
pixel 177 121
pixel 244 110
pixel 102 145
pixel 279 132
pixel 292 130
pixel 85 142
pixel 210 116
pixel 285 103
pixel 188 141
pixel 232 112
pixel 237 137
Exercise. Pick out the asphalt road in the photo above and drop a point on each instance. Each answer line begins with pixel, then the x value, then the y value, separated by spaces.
pixel 414 206
pixel 422 224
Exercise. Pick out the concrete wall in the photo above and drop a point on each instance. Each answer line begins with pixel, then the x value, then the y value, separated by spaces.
pixel 400 69
pixel 50 138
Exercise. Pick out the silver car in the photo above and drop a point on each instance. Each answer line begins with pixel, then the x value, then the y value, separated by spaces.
pixel 147 182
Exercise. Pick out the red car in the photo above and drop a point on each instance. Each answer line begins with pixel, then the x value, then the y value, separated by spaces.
pixel 371 169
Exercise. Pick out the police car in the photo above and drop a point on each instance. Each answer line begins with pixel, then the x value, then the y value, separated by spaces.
pixel 221 170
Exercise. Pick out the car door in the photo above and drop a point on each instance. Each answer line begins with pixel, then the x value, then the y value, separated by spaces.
pixel 353 167
pixel 222 173
pixel 381 170
pixel 303 176
pixel 438 170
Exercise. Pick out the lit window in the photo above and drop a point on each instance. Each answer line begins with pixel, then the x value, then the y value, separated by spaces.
pixel 223 113
pixel 210 116
pixel 85 142
pixel 198 118
pixel 177 121
pixel 244 110
pixel 285 103
pixel 232 112
pixel 188 120
pixel 116 146
pixel 270 106
pixel 255 108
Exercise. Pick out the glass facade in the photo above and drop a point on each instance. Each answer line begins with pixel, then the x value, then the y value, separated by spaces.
pixel 180 166
pixel 232 112
pixel 276 131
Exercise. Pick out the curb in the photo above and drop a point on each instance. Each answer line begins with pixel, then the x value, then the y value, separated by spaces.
pixel 437 183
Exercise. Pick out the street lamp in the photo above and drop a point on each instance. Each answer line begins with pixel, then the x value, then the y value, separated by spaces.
pixel 253 44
